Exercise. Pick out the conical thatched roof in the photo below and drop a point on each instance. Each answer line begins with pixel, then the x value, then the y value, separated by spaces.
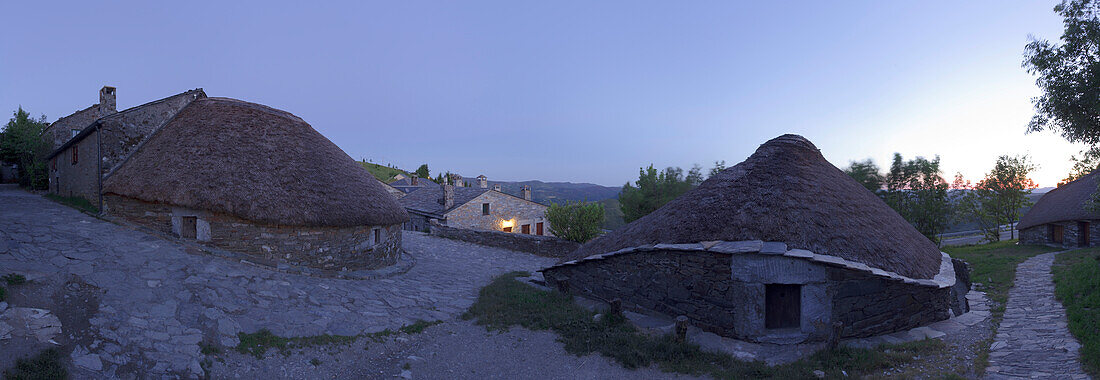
pixel 1067 202
pixel 257 163
pixel 785 192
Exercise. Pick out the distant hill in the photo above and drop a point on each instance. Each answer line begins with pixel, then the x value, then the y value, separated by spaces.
pixel 383 173
pixel 551 192
pixel 1033 197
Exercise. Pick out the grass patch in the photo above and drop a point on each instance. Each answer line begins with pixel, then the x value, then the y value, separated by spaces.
pixel 209 349
pixel 993 266
pixel 1077 285
pixel 14 279
pixel 78 203
pixel 47 365
pixel 382 173
pixel 257 343
pixel 506 302
pixel 418 326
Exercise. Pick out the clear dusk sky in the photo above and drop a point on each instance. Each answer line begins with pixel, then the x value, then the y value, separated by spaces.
pixel 581 91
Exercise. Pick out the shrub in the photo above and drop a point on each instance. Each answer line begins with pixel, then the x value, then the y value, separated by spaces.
pixel 575 221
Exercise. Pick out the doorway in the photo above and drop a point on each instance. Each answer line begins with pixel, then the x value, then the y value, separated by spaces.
pixel 1082 234
pixel 189 227
pixel 1057 232
pixel 782 306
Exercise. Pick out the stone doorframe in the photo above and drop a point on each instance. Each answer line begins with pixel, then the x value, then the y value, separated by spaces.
pixel 752 273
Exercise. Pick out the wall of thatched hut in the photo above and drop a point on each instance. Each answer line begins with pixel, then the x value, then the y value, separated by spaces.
pixel 331 248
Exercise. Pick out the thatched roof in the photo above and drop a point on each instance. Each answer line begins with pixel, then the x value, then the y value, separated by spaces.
pixel 257 163
pixel 1067 202
pixel 785 192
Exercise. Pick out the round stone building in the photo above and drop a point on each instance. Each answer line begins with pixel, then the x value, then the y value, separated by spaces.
pixel 781 248
pixel 248 178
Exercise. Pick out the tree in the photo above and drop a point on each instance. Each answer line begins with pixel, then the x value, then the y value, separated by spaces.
pixel 1069 75
pixel 719 166
pixel 867 174
pixel 651 191
pixel 694 176
pixel 575 221
pixel 423 172
pixel 22 143
pixel 1088 162
pixel 917 191
pixel 969 205
pixel 1001 195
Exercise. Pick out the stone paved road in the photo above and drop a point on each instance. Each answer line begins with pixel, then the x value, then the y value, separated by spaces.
pixel 159 302
pixel 1033 341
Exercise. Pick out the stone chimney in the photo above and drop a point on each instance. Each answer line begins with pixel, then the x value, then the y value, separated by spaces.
pixel 482 182
pixel 107 101
pixel 414 179
pixel 496 187
pixel 526 192
pixel 448 196
pixel 457 179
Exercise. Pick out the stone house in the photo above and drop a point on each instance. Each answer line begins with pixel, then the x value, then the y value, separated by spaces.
pixel 475 207
pixel 1061 216
pixel 248 178
pixel 93 142
pixel 782 248
pixel 411 183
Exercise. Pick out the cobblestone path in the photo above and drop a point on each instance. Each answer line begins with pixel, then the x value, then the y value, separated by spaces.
pixel 1033 341
pixel 159 302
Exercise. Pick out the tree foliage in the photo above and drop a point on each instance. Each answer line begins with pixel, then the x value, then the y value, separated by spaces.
pixel 653 189
pixel 999 197
pixel 916 190
pixel 1069 75
pixel 575 221
pixel 423 172
pixel 22 143
pixel 867 174
pixel 1087 162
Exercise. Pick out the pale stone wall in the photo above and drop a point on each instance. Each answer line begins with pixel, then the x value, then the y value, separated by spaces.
pixel 501 207
pixel 331 248
pixel 61 131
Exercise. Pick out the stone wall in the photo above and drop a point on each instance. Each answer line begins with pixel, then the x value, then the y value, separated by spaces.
pixel 418 222
pixel 501 207
pixel 725 294
pixel 331 248
pixel 695 284
pixel 61 131
pixel 1041 234
pixel 547 246
pixel 77 180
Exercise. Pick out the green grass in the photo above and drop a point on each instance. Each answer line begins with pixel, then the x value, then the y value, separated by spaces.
pixel 1077 285
pixel 257 343
pixel 46 366
pixel 383 173
pixel 506 302
pixel 14 279
pixel 78 203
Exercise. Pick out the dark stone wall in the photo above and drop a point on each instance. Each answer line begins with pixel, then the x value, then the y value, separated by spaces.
pixel 418 223
pixel 547 246
pixel 330 248
pixel 695 284
pixel 77 180
pixel 699 285
pixel 1040 235
pixel 867 305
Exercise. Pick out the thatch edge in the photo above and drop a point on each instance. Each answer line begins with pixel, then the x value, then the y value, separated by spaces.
pixel 944 279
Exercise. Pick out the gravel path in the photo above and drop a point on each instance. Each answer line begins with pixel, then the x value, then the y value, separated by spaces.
pixel 1033 341
pixel 158 301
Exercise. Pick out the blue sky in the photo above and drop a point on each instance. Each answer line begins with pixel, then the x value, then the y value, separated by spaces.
pixel 566 91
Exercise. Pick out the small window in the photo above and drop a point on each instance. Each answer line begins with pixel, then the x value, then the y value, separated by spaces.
pixel 507 229
pixel 76 155
pixel 484 209
pixel 782 306
pixel 189 227
pixel 377 232
pixel 526 228
pixel 75 132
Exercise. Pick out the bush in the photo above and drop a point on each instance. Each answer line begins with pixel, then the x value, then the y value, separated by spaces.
pixel 575 221
pixel 47 365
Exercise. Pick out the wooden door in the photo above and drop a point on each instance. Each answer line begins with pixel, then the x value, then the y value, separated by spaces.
pixel 782 306
pixel 189 227
pixel 1056 233
pixel 538 228
pixel 1082 234
pixel 526 229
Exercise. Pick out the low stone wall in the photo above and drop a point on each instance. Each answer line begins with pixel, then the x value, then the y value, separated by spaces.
pixel 330 248
pixel 547 246
pixel 721 288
